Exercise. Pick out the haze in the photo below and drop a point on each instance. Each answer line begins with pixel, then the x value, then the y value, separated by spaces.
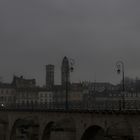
pixel 95 33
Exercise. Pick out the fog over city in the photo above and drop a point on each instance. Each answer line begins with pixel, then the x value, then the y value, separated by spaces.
pixel 95 33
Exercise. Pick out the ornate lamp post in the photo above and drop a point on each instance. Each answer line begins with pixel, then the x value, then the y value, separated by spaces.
pixel 120 70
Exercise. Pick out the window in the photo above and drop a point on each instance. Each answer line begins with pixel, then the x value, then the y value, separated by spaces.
pixel 7 91
pixel 2 91
pixel 41 95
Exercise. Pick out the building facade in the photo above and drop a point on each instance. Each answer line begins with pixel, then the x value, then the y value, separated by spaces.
pixel 7 95
pixel 20 82
pixel 27 96
pixel 45 97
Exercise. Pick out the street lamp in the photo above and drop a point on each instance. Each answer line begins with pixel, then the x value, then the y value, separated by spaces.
pixel 69 69
pixel 120 70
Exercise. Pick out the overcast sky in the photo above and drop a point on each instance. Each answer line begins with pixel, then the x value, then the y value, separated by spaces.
pixel 95 33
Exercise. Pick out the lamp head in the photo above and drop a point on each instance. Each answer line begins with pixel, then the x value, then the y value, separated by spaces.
pixel 118 71
pixel 71 69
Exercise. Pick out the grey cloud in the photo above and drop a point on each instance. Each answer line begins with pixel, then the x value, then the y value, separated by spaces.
pixel 95 33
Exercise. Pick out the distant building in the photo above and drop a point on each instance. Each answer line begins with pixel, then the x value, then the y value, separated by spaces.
pixel 7 95
pixel 98 86
pixel 20 82
pixel 59 95
pixel 65 71
pixel 27 96
pixel 49 76
pixel 75 95
pixel 76 87
pixel 45 97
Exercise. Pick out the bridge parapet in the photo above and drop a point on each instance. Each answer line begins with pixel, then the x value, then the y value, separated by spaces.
pixel 48 122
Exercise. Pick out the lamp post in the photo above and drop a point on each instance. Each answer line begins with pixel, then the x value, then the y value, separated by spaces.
pixel 120 70
pixel 69 69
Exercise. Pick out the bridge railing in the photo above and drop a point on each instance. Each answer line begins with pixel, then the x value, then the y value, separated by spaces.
pixel 83 106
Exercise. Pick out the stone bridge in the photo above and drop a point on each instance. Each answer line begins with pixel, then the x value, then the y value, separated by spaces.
pixel 69 125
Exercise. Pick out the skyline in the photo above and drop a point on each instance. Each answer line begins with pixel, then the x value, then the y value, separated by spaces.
pixel 95 34
pixel 119 70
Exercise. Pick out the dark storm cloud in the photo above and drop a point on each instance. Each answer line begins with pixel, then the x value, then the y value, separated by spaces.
pixel 95 33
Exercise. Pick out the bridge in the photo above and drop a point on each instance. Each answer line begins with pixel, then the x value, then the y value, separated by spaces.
pixel 57 124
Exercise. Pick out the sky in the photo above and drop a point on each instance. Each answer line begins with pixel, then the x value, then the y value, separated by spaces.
pixel 95 33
